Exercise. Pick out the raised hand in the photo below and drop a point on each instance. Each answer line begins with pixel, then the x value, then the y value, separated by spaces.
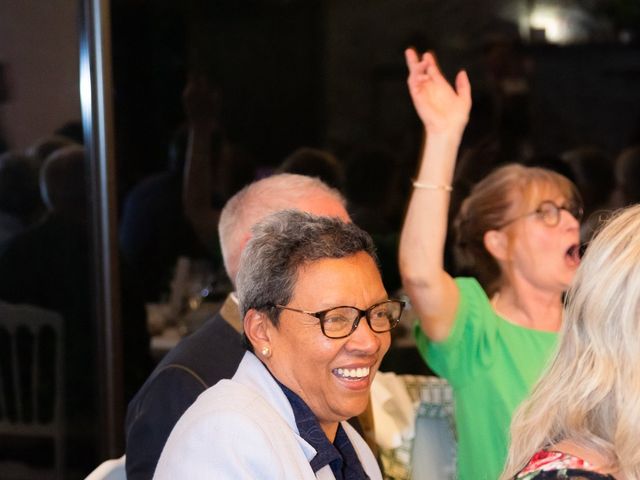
pixel 441 108
pixel 444 111
pixel 201 102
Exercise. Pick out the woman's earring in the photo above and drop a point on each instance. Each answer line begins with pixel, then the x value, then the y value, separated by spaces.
pixel 266 351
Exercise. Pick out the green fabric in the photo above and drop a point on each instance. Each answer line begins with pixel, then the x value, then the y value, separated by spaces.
pixel 491 365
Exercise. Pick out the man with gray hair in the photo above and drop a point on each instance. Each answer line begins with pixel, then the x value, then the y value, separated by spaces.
pixel 214 351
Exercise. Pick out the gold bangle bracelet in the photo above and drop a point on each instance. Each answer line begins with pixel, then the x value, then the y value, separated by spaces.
pixel 432 186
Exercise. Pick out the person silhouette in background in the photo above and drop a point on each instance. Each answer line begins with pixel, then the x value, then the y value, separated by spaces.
pixel 43 147
pixel 215 167
pixel 19 195
pixel 627 175
pixel 154 231
pixel 314 162
pixel 175 213
pixel 48 266
pixel 593 173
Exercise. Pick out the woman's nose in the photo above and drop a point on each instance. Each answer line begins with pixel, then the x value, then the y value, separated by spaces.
pixel 568 220
pixel 363 338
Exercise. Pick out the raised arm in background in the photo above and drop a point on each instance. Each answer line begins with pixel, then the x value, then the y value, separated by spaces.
pixel 201 107
pixel 444 112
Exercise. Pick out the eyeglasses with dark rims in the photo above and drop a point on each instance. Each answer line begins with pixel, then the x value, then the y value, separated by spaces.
pixel 340 322
pixel 549 213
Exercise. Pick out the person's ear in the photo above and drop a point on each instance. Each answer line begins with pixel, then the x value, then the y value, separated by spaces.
pixel 496 243
pixel 258 329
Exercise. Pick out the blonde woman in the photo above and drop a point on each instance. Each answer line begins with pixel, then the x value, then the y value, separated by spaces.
pixel 490 336
pixel 583 417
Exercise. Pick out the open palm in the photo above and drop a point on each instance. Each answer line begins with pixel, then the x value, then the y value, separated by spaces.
pixel 439 105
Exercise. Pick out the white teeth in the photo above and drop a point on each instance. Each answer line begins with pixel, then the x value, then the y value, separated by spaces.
pixel 353 372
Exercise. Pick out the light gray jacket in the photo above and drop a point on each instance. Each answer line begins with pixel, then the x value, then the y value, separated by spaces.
pixel 244 428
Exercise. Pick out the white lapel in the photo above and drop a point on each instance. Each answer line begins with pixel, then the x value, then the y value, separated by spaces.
pixel 253 374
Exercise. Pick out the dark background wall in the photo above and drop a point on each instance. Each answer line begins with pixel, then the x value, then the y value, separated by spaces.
pixel 331 73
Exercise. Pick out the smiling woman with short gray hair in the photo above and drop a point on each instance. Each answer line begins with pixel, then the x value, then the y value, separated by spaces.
pixel 316 323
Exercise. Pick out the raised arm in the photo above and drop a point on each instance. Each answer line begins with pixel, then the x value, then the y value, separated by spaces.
pixel 444 112
pixel 201 105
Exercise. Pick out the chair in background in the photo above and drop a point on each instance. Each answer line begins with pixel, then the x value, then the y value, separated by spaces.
pixel 31 389
pixel 113 469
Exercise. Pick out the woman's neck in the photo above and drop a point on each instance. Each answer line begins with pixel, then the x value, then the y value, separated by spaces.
pixel 529 307
pixel 330 430
pixel 598 462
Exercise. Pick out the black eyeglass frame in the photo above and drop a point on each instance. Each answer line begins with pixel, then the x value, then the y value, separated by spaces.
pixel 361 313
pixel 573 208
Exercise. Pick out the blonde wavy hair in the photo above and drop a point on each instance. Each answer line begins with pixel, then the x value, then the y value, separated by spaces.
pixel 590 393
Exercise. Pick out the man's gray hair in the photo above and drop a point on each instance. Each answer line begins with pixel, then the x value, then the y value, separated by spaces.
pixel 258 200
pixel 284 242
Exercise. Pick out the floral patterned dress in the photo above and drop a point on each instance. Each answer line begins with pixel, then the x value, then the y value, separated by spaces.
pixel 557 465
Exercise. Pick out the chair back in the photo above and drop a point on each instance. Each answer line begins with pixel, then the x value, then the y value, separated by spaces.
pixel 113 469
pixel 31 376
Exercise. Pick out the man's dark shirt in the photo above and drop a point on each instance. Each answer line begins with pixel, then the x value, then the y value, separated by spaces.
pixel 199 361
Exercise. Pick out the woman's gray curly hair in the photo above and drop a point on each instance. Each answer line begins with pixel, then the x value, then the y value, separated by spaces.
pixel 284 242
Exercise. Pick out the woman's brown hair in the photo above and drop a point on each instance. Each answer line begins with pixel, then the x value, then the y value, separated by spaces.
pixel 503 194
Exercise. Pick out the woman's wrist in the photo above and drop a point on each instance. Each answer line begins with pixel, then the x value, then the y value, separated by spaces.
pixel 446 187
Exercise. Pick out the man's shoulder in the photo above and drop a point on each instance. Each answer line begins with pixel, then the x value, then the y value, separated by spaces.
pixel 209 354
pixel 214 340
pixel 213 351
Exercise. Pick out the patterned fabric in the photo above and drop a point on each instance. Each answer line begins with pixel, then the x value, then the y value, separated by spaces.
pixel 433 398
pixel 339 455
pixel 551 464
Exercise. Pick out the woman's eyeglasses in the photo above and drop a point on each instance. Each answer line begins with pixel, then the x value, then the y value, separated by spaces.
pixel 549 213
pixel 340 322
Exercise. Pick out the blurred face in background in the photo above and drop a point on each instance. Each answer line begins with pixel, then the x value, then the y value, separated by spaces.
pixel 544 240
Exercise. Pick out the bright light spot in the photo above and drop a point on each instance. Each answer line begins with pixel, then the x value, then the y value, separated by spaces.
pixel 552 21
pixel 85 83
